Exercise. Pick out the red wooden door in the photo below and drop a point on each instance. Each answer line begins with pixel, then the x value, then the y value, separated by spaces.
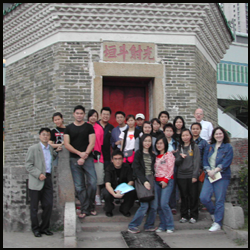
pixel 129 99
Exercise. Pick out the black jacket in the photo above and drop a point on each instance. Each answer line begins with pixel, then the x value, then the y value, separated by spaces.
pixel 139 168
pixel 136 134
pixel 126 175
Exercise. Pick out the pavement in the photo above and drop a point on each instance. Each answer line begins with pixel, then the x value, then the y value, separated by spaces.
pixel 104 232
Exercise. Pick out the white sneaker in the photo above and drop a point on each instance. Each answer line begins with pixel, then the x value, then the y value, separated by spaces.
pixel 214 227
pixel 169 231
pixel 183 220
pixel 98 200
pixel 159 230
pixel 212 217
pixel 192 220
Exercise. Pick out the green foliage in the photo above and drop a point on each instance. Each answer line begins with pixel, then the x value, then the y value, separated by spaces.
pixel 237 102
pixel 243 188
pixel 240 242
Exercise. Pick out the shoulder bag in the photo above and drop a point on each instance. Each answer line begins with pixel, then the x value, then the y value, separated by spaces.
pixel 143 194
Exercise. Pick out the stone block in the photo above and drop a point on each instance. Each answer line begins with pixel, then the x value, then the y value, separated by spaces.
pixel 233 216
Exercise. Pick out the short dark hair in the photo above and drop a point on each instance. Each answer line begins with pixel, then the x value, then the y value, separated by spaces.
pixel 120 113
pixel 117 152
pixel 226 137
pixel 169 125
pixel 44 129
pixel 196 123
pixel 155 120
pixel 130 116
pixel 57 114
pixel 179 117
pixel 79 107
pixel 91 112
pixel 165 141
pixel 163 112
pixel 106 109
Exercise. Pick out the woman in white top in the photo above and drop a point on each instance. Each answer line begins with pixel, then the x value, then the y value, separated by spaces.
pixel 128 139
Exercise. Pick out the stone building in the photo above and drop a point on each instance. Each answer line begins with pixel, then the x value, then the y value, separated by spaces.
pixel 139 57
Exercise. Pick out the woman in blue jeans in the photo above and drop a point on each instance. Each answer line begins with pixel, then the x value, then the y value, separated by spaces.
pixel 143 169
pixel 217 158
pixel 164 184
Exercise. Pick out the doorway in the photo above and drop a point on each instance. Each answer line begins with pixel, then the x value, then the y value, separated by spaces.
pixel 127 94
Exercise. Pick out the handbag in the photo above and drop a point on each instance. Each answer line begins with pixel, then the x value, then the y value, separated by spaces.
pixel 202 176
pixel 129 156
pixel 143 194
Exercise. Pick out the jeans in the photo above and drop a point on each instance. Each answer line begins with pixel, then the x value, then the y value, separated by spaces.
pixel 85 191
pixel 219 188
pixel 139 215
pixel 162 202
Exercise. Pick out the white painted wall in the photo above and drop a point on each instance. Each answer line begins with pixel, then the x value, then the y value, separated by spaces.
pixel 237 53
pixel 225 91
pixel 236 130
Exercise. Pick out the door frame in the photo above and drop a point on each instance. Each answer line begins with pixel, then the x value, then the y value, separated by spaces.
pixel 156 71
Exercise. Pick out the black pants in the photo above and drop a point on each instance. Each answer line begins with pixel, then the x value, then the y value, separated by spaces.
pixel 189 198
pixel 45 195
pixel 126 205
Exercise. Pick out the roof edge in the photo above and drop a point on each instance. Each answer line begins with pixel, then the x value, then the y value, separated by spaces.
pixel 11 8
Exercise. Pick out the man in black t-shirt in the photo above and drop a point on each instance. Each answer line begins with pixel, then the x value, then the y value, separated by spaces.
pixel 116 173
pixel 79 139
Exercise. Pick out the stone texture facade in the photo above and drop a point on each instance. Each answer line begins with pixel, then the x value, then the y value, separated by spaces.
pixel 45 75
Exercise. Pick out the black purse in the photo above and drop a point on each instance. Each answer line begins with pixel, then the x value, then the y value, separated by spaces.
pixel 143 194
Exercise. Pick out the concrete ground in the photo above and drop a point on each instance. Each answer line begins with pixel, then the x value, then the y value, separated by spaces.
pixel 178 239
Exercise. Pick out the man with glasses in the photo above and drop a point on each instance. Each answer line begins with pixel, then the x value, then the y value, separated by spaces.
pixel 207 127
pixel 116 173
pixel 38 163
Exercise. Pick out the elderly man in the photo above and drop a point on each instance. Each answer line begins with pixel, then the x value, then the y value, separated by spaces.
pixel 207 127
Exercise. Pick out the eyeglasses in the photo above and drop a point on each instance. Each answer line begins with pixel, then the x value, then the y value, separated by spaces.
pixel 198 113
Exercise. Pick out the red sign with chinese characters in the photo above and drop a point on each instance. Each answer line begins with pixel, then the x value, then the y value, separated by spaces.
pixel 129 52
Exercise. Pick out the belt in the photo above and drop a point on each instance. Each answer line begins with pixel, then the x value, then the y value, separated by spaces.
pixel 48 174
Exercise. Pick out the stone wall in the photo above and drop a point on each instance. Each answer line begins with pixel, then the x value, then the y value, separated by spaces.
pixel 240 148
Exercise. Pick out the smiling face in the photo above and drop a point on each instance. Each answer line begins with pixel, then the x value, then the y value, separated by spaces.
pixel 93 118
pixel 186 137
pixel 105 116
pixel 147 142
pixel 147 128
pixel 219 136
pixel 58 121
pixel 160 145
pixel 179 124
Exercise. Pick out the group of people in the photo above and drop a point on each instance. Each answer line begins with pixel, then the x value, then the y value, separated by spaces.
pixel 166 157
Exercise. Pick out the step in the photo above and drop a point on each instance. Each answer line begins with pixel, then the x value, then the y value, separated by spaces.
pixel 118 217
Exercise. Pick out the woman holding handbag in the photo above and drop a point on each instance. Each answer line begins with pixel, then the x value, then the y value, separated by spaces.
pixel 143 171
pixel 216 162
pixel 164 184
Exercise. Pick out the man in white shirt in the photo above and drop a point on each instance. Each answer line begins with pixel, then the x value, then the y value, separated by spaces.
pixel 207 127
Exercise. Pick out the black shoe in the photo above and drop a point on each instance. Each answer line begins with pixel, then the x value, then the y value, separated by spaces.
pixel 47 232
pixel 128 214
pixel 109 214
pixel 37 234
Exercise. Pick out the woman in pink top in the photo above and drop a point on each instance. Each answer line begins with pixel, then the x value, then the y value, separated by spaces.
pixel 164 183
pixel 99 165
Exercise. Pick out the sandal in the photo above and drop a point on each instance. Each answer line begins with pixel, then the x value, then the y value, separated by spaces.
pixel 94 213
pixel 82 216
